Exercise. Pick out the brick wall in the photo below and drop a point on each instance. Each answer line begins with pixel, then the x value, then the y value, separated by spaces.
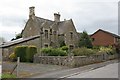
pixel 102 39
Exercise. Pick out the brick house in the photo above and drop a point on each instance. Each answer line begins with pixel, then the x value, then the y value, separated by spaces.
pixel 104 38
pixel 42 33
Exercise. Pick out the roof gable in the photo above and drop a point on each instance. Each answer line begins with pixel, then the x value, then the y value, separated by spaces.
pixel 114 35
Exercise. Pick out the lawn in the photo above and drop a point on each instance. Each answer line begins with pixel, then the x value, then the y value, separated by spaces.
pixel 6 75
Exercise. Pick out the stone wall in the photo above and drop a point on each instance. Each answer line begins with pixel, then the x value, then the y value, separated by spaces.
pixel 72 61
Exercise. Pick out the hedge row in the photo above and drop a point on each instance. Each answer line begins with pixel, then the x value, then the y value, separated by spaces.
pixel 25 53
pixel 54 51
pixel 83 51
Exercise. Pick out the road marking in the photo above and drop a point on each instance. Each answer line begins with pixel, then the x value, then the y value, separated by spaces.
pixel 75 73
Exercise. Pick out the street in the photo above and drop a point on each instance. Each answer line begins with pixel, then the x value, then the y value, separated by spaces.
pixel 108 71
pixel 72 73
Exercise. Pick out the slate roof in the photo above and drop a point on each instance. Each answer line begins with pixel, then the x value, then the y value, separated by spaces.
pixel 61 26
pixel 7 44
pixel 112 34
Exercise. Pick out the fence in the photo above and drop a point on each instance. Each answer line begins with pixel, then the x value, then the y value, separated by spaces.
pixel 73 61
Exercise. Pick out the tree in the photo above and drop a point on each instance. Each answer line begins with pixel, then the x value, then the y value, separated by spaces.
pixel 85 40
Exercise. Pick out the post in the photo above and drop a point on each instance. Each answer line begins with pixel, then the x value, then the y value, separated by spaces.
pixel 18 62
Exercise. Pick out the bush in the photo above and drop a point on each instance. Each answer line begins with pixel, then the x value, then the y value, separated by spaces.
pixel 46 50
pixel 20 51
pixel 64 48
pixel 53 52
pixel 83 51
pixel 12 56
pixel 31 51
pixel 108 50
pixel 25 53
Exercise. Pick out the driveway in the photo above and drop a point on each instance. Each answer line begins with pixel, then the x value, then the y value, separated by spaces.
pixel 28 69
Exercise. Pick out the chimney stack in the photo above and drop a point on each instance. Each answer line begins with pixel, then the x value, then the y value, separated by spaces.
pixel 31 12
pixel 57 17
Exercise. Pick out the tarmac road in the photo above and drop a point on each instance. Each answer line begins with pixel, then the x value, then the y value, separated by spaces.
pixel 108 71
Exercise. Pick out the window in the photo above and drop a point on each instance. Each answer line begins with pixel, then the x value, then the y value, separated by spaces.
pixel 71 35
pixel 71 47
pixel 93 39
pixel 46 34
pixel 54 34
pixel 41 30
pixel 46 45
pixel 50 31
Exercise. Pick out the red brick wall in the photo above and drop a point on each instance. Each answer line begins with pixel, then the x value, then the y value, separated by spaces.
pixel 102 39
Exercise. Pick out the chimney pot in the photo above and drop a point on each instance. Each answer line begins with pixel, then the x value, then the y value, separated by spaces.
pixel 31 12
pixel 57 17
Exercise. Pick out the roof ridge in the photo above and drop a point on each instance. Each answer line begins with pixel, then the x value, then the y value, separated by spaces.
pixel 110 33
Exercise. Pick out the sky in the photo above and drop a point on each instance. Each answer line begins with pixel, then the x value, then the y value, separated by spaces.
pixel 89 15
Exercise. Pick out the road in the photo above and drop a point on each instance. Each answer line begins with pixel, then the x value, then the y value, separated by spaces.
pixel 32 70
pixel 69 73
pixel 108 71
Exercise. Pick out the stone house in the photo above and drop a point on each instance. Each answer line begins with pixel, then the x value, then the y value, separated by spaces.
pixel 104 38
pixel 42 33
pixel 51 32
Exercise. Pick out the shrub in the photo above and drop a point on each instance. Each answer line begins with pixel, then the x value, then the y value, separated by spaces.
pixel 25 53
pixel 12 56
pixel 64 48
pixel 46 51
pixel 20 51
pixel 108 50
pixel 31 51
pixel 83 51
pixel 53 52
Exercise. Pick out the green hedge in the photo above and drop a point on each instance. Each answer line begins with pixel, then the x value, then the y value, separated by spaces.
pixel 20 51
pixel 65 48
pixel 31 51
pixel 83 51
pixel 25 53
pixel 53 52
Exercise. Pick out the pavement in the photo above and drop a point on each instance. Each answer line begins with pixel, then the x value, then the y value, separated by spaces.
pixel 33 70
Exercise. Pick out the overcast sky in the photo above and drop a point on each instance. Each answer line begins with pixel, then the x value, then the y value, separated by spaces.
pixel 89 15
